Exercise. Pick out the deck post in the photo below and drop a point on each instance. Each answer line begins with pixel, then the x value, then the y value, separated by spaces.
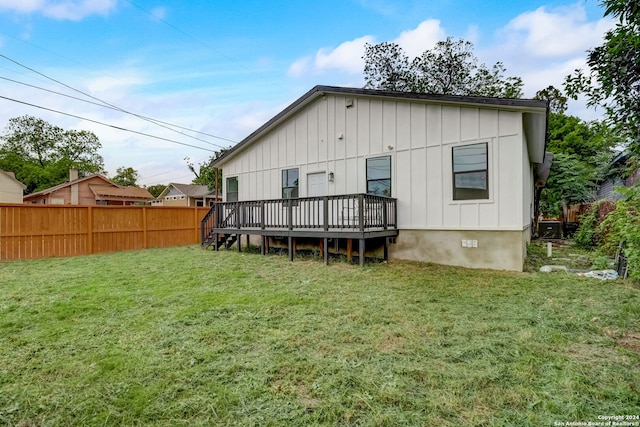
pixel 238 242
pixel 237 215
pixel 262 244
pixel 290 248
pixel 290 213
pixel 325 213
pixel 361 252
pixel 349 249
pixel 217 243
pixel 325 250
pixel 386 249
pixel 262 219
pixel 385 225
pixel 361 212
pixel 248 241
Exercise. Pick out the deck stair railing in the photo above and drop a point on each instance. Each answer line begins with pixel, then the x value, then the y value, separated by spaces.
pixel 351 212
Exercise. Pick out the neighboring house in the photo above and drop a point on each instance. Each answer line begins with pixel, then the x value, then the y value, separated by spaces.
pixel 460 170
pixel 10 188
pixel 90 190
pixel 618 176
pixel 185 195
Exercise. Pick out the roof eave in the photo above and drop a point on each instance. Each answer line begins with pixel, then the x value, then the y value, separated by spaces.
pixel 524 105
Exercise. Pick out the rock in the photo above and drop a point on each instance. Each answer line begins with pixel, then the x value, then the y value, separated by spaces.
pixel 550 268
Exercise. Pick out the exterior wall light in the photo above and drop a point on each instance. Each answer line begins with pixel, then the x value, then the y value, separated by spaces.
pixel 330 176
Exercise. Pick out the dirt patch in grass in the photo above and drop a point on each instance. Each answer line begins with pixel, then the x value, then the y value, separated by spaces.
pixel 631 341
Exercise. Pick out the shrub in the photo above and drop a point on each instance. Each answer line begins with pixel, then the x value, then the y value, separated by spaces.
pixel 622 226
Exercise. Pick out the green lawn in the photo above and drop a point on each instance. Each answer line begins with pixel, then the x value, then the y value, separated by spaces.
pixel 184 336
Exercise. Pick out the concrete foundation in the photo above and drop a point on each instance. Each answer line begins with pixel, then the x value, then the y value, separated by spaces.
pixel 497 250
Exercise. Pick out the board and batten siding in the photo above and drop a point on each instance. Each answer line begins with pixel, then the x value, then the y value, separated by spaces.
pixel 327 136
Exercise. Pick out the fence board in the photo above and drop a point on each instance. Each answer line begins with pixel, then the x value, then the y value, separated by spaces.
pixel 39 231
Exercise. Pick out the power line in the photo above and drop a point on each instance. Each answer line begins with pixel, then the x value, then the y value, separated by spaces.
pixel 99 100
pixel 167 23
pixel 106 124
pixel 117 109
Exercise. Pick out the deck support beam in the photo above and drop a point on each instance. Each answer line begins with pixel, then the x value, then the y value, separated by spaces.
pixel 385 257
pixel 238 242
pixel 349 249
pixel 290 248
pixel 325 250
pixel 361 252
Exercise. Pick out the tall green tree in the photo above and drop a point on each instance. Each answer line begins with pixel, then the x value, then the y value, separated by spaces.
pixel 205 174
pixel 156 190
pixel 557 100
pixel 582 151
pixel 41 154
pixel 612 79
pixel 127 177
pixel 386 67
pixel 450 68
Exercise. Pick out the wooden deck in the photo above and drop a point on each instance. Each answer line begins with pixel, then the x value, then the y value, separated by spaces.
pixel 352 216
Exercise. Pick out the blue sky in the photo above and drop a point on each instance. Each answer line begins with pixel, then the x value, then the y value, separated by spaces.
pixel 224 68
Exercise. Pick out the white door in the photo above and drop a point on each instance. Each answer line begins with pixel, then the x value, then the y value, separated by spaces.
pixel 316 184
pixel 316 187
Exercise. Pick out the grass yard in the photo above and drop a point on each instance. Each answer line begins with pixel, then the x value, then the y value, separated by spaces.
pixel 184 336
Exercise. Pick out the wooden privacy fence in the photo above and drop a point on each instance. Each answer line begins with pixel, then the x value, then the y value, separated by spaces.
pixel 39 231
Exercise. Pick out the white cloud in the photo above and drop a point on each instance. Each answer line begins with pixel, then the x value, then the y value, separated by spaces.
pixel 159 12
pixel 73 10
pixel 347 57
pixel 110 84
pixel 300 66
pixel 22 5
pixel 424 36
pixel 545 45
pixel 555 33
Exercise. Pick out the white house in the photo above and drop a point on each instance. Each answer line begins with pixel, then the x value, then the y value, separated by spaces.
pixel 10 188
pixel 460 167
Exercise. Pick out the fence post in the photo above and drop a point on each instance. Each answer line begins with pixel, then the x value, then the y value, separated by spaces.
pixel 196 222
pixel 144 228
pixel 90 230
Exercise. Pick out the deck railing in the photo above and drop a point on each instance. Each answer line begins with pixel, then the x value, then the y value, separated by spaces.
pixel 356 212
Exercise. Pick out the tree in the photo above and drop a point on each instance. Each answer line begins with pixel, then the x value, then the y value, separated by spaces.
pixel 205 174
pixel 613 78
pixel 41 154
pixel 127 177
pixel 582 152
pixel 450 68
pixel 571 181
pixel 156 190
pixel 557 100
pixel 386 67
